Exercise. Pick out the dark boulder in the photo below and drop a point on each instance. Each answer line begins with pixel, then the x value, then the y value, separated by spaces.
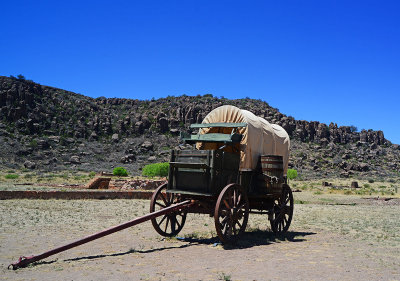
pixel 29 165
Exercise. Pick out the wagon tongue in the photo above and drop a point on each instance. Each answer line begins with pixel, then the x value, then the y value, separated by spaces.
pixel 24 261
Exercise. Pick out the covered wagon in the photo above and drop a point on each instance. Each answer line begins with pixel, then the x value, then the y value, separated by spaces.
pixel 238 166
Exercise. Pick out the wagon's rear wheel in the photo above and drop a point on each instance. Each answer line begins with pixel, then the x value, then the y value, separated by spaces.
pixel 169 224
pixel 282 213
pixel 231 213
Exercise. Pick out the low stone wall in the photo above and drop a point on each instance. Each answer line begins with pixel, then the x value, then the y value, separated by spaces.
pixel 134 184
pixel 99 183
pixel 102 182
pixel 73 195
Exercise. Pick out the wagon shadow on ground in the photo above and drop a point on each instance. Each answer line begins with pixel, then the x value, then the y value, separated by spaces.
pixel 264 237
pixel 93 257
pixel 252 238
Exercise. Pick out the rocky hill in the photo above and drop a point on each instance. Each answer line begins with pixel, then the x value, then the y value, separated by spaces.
pixel 46 128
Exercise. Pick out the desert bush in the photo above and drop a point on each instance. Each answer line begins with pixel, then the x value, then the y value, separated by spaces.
pixel 92 174
pixel 120 171
pixel 156 169
pixel 11 176
pixel 291 174
pixel 371 180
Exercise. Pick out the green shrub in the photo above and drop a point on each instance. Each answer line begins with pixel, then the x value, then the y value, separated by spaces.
pixel 291 174
pixel 156 169
pixel 120 171
pixel 12 176
pixel 371 180
pixel 92 174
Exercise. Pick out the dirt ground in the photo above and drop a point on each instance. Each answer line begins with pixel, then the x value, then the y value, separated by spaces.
pixel 332 237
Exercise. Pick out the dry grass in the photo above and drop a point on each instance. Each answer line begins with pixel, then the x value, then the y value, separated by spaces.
pixel 32 226
pixel 343 186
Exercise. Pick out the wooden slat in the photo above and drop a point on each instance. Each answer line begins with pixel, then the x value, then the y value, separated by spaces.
pixel 215 137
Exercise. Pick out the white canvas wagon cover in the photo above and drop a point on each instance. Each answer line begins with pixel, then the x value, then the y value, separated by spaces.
pixel 259 136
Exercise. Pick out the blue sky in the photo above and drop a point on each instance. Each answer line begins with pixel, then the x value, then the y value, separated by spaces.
pixel 328 61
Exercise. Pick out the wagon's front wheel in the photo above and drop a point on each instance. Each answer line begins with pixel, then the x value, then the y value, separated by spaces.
pixel 282 212
pixel 169 224
pixel 231 213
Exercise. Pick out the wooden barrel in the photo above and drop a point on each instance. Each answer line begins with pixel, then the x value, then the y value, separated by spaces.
pixel 272 168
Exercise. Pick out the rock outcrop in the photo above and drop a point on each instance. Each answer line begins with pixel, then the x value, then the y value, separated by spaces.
pixel 42 126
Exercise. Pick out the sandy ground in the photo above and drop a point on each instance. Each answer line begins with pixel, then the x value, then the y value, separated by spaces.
pixel 328 240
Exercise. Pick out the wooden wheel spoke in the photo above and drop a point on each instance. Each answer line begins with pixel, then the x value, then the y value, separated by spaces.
pixel 163 197
pixel 286 210
pixel 239 224
pixel 224 220
pixel 173 224
pixel 239 200
pixel 162 220
pixel 224 212
pixel 166 224
pixel 243 206
pixel 235 231
pixel 225 228
pixel 171 198
pixel 177 222
pixel 279 217
pixel 227 204
pixel 161 205
pixel 234 197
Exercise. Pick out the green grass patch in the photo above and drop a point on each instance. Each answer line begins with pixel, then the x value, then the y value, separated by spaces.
pixel 11 176
pixel 156 169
